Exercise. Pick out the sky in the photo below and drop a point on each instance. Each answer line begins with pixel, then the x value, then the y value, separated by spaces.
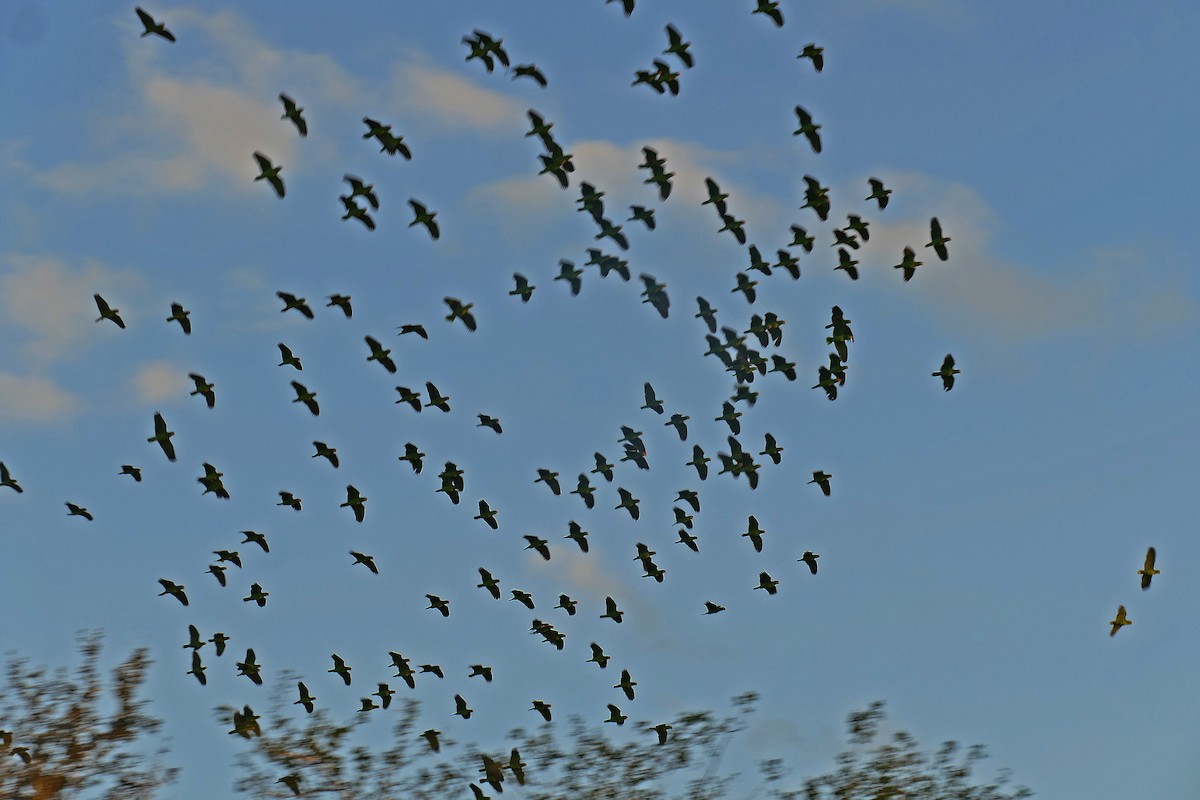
pixel 975 543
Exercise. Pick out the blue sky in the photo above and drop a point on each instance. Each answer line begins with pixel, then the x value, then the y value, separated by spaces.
pixel 976 542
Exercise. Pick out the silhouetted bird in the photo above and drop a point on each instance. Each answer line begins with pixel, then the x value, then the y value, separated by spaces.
pixel 294 113
pixel 808 129
pixel 79 511
pixel 289 359
pixel 1118 621
pixel 947 372
pixel 366 560
pixel 290 301
pixel 306 698
pixel 203 388
pixel 269 172
pixel 821 479
pixel 909 264
pixel 107 312
pixel 1148 571
pixel 423 216
pixel 816 54
pixel 810 558
pixel 6 479
pixel 180 314
pixel 303 395
pixel 151 25
pixel 173 589
pixel 341 301
pixel 524 288
pixel 340 668
pixel 460 310
pixel 611 611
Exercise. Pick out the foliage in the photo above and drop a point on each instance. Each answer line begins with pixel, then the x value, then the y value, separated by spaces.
pixel 897 769
pixel 65 735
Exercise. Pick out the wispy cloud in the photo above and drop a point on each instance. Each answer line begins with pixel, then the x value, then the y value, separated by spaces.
pixel 452 101
pixel 35 399
pixel 157 381
pixel 52 304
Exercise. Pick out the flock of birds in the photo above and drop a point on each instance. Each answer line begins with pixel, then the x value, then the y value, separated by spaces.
pixel 734 348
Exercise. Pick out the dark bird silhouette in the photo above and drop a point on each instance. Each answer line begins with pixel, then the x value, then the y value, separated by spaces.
pixel 413 456
pixel 699 461
pixel 356 211
pixel 712 608
pixel 151 25
pixel 808 129
pixel 486 421
pixel 767 583
pixel 126 469
pixel 173 589
pixel 937 240
pixel 677 46
pixel 538 545
pixel 436 398
pixel 292 782
pixel 326 452
pixel 679 422
pixel 771 9
pixel 379 354
pixel 423 216
pixel 79 511
pixel 306 698
pixel 198 669
pixel 628 502
pixel 431 737
pixel 550 479
pixel 228 556
pixel 491 584
pixel 366 560
pixel 603 467
pixel 626 684
pixel 816 197
pixel 204 388
pixel 269 172
pixel 294 113
pixel 419 330
pixel 290 301
pixel 257 595
pixel 815 54
pixel 250 668
pixel 6 479
pixel 303 395
pixel 251 537
pixel 529 71
pixel 577 535
pixel 567 271
pixel 754 533
pixel 219 639
pixel 460 310
pixel 772 451
pixel 746 287
pixel 643 215
pixel 487 514
pixel 289 359
pixel 611 611
pixel 947 373
pixel 909 264
pixel 482 671
pixel 360 189
pixel 1119 621
pixel 847 264
pixel 615 715
pixel 524 288
pixel 460 707
pixel 107 312
pixel 652 402
pixel 655 294
pixel 356 502
pixel 1148 571
pixel 598 657
pixel 435 602
pixel 878 193
pixel 541 708
pixel 218 572
pixel 180 314
pixel 810 558
pixel 342 301
pixel 821 479
pixel 522 597
pixel 340 668
pixel 409 396
pixel 289 499
pixel 567 604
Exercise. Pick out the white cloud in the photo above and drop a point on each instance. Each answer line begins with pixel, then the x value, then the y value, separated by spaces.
pixel 35 399
pixel 157 381
pixel 453 101
pixel 53 304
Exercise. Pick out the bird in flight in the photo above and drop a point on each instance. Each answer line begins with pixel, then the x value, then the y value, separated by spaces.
pixel 423 216
pixel 524 288
pixel 204 388
pixel 1148 571
pixel 1119 621
pixel 340 668
pixel 303 395
pixel 366 560
pixel 460 310
pixel 289 359
pixel 6 479
pixel 815 54
pixel 79 511
pixel 180 314
pixel 947 373
pixel 378 353
pixel 909 264
pixel 821 479
pixel 269 172
pixel 542 708
pixel 151 25
pixel 435 602
pixel 677 46
pixel 808 129
pixel 107 312
pixel 290 301
pixel 771 9
pixel 529 71
pixel 937 240
pixel 356 502
pixel 611 611
pixel 878 193
pixel 173 589
pixel 294 113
